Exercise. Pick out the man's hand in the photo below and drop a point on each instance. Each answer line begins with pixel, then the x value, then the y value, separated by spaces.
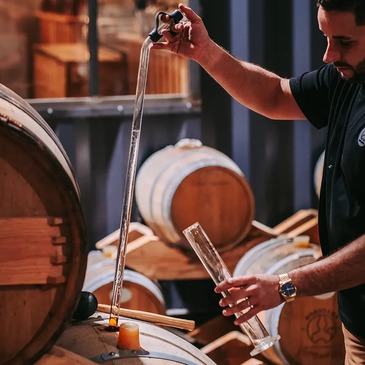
pixel 186 38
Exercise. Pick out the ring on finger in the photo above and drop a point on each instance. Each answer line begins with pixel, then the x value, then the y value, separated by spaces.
pixel 249 305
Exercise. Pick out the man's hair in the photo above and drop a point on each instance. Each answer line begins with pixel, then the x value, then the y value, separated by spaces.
pixel 357 7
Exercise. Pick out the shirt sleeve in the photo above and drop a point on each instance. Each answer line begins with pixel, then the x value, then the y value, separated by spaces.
pixel 312 93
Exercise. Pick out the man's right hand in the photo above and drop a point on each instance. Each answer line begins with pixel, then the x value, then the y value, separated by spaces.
pixel 186 38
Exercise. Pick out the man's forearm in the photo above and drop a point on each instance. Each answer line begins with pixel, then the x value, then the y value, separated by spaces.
pixel 254 87
pixel 341 270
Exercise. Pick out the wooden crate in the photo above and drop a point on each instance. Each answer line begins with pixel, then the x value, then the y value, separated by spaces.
pixel 232 348
pixel 61 28
pixel 14 63
pixel 62 70
pixel 213 329
pixel 225 343
pixel 167 72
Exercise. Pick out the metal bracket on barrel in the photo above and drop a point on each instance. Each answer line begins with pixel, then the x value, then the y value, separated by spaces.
pixel 128 354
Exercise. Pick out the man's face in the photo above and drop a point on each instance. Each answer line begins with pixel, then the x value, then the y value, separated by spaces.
pixel 345 43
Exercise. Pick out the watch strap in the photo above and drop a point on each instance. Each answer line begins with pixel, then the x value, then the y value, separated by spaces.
pixel 283 278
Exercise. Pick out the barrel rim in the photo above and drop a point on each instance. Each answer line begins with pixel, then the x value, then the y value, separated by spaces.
pixel 26 128
pixel 15 99
pixel 261 249
pixel 34 126
pixel 107 276
pixel 154 332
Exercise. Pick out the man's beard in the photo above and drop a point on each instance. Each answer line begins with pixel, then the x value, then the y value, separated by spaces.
pixel 359 71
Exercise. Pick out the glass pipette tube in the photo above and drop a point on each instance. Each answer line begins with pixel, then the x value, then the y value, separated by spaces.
pixel 130 182
pixel 154 36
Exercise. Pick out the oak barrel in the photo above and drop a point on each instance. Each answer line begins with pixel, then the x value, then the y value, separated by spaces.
pixel 42 234
pixel 159 346
pixel 187 183
pixel 138 291
pixel 309 327
pixel 60 356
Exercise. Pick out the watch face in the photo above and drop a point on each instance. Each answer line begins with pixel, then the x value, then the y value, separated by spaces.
pixel 288 289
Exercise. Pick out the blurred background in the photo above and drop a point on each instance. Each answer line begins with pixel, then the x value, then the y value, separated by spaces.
pixel 76 62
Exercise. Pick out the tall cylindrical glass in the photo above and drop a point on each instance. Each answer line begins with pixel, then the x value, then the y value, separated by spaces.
pixel 219 272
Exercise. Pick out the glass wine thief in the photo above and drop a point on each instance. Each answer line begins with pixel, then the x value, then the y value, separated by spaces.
pixel 219 272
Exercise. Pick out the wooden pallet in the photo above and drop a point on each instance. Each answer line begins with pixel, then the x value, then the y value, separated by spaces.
pixel 233 348
pixel 303 222
pixel 160 260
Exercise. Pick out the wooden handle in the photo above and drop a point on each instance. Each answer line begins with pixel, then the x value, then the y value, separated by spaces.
pixel 150 317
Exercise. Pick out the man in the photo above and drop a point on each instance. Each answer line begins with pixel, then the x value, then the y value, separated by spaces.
pixel 332 96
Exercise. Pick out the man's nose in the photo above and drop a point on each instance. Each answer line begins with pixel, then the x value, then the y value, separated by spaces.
pixel 331 54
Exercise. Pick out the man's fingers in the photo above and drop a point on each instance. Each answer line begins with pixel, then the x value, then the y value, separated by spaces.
pixel 168 35
pixel 242 308
pixel 189 13
pixel 160 45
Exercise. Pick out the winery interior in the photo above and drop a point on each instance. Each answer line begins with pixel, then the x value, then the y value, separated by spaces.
pixel 65 142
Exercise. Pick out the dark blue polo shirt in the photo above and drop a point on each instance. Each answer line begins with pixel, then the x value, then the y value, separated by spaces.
pixel 329 101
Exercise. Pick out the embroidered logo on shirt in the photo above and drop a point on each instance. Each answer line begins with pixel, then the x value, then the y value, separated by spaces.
pixel 361 139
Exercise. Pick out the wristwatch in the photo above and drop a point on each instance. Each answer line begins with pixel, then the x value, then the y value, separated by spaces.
pixel 287 289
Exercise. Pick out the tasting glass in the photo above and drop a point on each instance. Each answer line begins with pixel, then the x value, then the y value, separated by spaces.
pixel 219 272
